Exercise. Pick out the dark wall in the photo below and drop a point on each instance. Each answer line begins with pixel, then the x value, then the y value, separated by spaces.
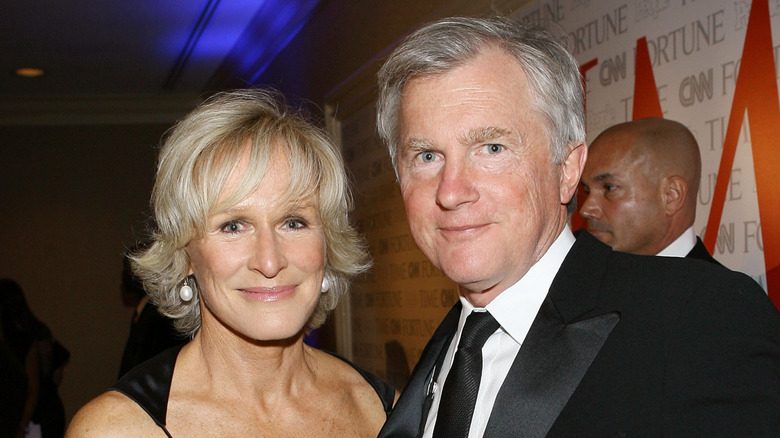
pixel 71 199
pixel 341 37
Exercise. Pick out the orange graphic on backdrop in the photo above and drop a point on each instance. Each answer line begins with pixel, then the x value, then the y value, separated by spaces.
pixel 756 93
pixel 646 101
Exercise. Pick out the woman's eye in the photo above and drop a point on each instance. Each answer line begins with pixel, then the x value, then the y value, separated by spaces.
pixel 231 227
pixel 294 223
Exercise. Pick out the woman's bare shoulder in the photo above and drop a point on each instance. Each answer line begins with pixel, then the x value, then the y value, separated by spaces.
pixel 112 414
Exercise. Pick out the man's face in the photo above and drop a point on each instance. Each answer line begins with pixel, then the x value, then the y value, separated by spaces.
pixel 483 199
pixel 624 208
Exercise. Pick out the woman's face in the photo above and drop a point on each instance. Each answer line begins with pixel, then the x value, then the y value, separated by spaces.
pixel 260 264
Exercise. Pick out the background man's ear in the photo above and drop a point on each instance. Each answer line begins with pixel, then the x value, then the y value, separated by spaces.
pixel 674 192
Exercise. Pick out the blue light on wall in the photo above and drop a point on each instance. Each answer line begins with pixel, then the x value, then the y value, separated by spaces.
pixel 272 28
pixel 246 33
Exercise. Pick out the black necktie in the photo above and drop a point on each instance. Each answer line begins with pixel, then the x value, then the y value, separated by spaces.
pixel 460 389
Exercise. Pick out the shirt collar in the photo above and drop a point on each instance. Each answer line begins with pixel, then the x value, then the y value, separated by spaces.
pixel 681 246
pixel 516 307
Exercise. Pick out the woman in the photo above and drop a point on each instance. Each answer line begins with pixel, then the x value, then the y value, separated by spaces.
pixel 253 248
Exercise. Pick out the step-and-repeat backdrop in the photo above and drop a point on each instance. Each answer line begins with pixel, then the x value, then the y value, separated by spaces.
pixel 708 64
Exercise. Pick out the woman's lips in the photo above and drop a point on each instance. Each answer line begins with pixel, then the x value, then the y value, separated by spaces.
pixel 269 293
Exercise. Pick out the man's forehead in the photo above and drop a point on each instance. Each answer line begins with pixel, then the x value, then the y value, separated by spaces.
pixel 611 151
pixel 618 164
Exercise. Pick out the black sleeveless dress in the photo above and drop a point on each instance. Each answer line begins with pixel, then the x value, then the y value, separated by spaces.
pixel 149 385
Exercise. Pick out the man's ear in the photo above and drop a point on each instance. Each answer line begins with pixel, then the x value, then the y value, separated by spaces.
pixel 674 190
pixel 572 169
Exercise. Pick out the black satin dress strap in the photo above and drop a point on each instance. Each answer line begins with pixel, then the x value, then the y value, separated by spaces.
pixel 149 385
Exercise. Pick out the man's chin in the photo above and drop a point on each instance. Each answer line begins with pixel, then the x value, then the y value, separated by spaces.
pixel 603 235
pixel 479 296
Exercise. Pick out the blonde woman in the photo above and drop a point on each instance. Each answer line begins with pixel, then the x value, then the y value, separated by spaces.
pixel 253 247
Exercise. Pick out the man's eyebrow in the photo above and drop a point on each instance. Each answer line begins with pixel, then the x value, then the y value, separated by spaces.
pixel 417 144
pixel 603 176
pixel 481 135
pixel 477 135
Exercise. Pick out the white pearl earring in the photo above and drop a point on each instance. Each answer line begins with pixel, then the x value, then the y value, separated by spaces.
pixel 325 285
pixel 185 293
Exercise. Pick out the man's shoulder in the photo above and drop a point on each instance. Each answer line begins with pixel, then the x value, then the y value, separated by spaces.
pixel 667 280
pixel 589 251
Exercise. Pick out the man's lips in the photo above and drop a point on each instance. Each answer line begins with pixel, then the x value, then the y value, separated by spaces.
pixel 462 230
pixel 599 231
pixel 269 293
pixel 597 227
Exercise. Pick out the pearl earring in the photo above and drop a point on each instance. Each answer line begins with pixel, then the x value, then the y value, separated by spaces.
pixel 185 293
pixel 325 285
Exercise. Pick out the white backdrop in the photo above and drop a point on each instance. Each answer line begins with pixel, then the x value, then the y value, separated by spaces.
pixel 695 47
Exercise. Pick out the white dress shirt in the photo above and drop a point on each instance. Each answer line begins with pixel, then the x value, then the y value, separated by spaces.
pixel 515 310
pixel 681 246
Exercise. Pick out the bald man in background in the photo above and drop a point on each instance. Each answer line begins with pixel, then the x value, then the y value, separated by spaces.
pixel 641 181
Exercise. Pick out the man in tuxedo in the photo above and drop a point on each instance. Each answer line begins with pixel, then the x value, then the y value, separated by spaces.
pixel 641 181
pixel 553 335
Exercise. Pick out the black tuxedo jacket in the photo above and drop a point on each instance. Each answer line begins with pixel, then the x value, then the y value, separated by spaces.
pixel 628 345
pixel 700 252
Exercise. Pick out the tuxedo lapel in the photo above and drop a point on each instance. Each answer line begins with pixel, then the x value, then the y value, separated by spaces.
pixel 567 334
pixel 571 327
pixel 546 371
pixel 408 417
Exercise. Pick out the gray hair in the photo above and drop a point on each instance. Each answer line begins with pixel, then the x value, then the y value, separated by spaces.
pixel 195 164
pixel 439 47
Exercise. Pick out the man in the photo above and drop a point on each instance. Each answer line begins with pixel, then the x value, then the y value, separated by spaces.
pixel 483 119
pixel 641 179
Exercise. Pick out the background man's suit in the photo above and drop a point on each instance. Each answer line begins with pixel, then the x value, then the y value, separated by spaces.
pixel 628 345
pixel 700 252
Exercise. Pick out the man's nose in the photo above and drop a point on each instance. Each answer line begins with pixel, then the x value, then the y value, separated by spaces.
pixel 457 185
pixel 590 208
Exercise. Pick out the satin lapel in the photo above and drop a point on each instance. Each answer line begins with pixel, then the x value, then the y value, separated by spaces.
pixel 546 371
pixel 410 411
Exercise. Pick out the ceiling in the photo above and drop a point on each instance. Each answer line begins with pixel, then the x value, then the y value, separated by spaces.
pixel 133 61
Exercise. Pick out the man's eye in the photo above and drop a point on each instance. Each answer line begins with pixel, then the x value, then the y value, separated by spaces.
pixel 493 148
pixel 609 187
pixel 427 156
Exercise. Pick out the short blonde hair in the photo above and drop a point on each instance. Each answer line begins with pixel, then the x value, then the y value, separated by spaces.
pixel 195 163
